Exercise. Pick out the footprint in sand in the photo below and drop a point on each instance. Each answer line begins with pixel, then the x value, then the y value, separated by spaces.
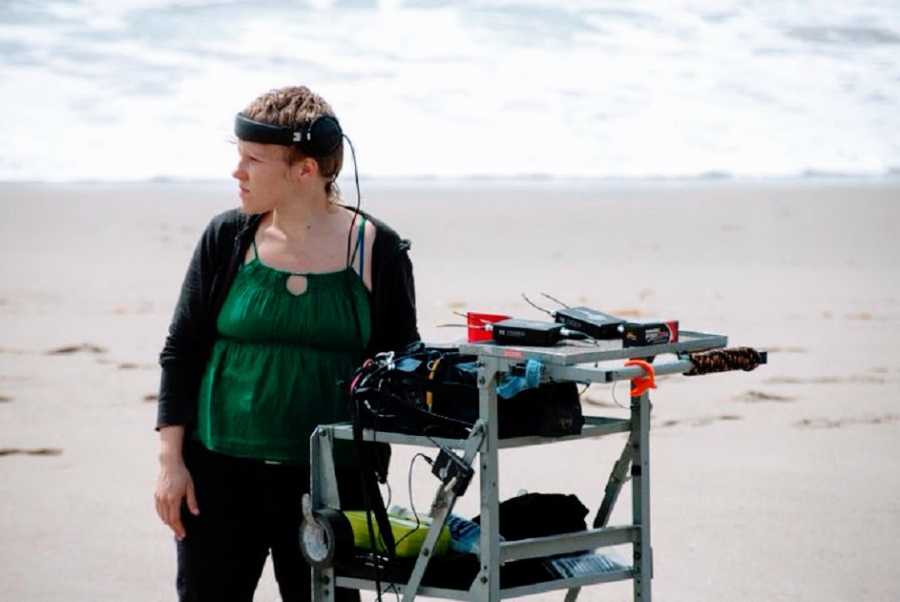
pixel 36 451
pixel 125 365
pixel 826 380
pixel 134 366
pixel 702 421
pixel 710 419
pixel 81 348
pixel 150 397
pixel 833 423
pixel 753 396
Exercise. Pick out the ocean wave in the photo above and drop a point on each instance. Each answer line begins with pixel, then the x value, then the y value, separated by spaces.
pixel 138 88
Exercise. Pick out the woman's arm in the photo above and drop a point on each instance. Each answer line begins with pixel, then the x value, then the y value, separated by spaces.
pixel 403 306
pixel 181 369
pixel 394 295
pixel 192 329
pixel 183 359
pixel 174 483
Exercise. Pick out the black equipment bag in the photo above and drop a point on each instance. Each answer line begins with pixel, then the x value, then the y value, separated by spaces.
pixel 433 391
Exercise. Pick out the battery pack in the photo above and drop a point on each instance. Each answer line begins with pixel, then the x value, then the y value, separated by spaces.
pixel 649 332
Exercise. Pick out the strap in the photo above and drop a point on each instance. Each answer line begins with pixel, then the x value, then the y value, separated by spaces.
pixel 360 247
pixel 255 250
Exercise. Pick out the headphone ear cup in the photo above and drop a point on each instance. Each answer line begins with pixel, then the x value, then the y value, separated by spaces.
pixel 323 136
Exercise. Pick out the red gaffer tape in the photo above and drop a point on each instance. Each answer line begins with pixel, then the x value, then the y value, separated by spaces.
pixel 476 321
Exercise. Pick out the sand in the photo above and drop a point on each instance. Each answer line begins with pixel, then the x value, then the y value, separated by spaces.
pixel 778 484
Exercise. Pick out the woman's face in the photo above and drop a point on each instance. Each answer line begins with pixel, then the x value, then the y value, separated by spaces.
pixel 263 175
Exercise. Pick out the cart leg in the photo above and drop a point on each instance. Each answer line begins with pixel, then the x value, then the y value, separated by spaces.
pixel 323 492
pixel 614 485
pixel 486 587
pixel 572 594
pixel 640 496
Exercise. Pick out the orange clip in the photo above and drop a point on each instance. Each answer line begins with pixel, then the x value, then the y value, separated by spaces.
pixel 640 384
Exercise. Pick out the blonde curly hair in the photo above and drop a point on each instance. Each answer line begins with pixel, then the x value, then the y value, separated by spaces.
pixel 296 106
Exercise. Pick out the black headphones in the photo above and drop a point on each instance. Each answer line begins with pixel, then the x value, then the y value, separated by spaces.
pixel 317 139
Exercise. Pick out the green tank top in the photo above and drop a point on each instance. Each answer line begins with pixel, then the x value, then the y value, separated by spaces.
pixel 281 363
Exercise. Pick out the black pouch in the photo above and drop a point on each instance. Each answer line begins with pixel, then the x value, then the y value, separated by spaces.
pixel 539 515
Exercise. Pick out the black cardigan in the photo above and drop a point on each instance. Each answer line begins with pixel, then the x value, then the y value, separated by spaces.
pixel 215 262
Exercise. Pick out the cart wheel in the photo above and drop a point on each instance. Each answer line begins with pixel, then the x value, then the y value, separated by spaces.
pixel 326 535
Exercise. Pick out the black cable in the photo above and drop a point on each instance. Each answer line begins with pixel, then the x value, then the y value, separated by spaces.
pixel 537 307
pixel 393 586
pixel 462 424
pixel 411 503
pixel 350 258
pixel 400 400
pixel 358 202
pixel 556 300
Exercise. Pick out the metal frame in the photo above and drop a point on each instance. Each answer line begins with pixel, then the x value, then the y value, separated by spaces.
pixel 573 362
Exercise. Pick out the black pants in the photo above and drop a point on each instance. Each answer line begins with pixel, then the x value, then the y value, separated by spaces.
pixel 247 508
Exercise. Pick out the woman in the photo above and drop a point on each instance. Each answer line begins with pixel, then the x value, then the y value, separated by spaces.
pixel 282 299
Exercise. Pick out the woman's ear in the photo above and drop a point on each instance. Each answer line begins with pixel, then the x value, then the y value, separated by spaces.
pixel 303 168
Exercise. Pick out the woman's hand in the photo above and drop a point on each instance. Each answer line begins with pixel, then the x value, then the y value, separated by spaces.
pixel 174 483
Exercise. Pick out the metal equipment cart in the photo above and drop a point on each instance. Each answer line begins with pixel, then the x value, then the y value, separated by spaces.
pixel 574 362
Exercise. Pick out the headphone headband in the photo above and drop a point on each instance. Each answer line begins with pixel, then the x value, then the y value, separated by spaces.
pixel 317 139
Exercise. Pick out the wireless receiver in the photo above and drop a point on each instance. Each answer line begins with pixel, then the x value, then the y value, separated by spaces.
pixel 530 333
pixel 591 322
